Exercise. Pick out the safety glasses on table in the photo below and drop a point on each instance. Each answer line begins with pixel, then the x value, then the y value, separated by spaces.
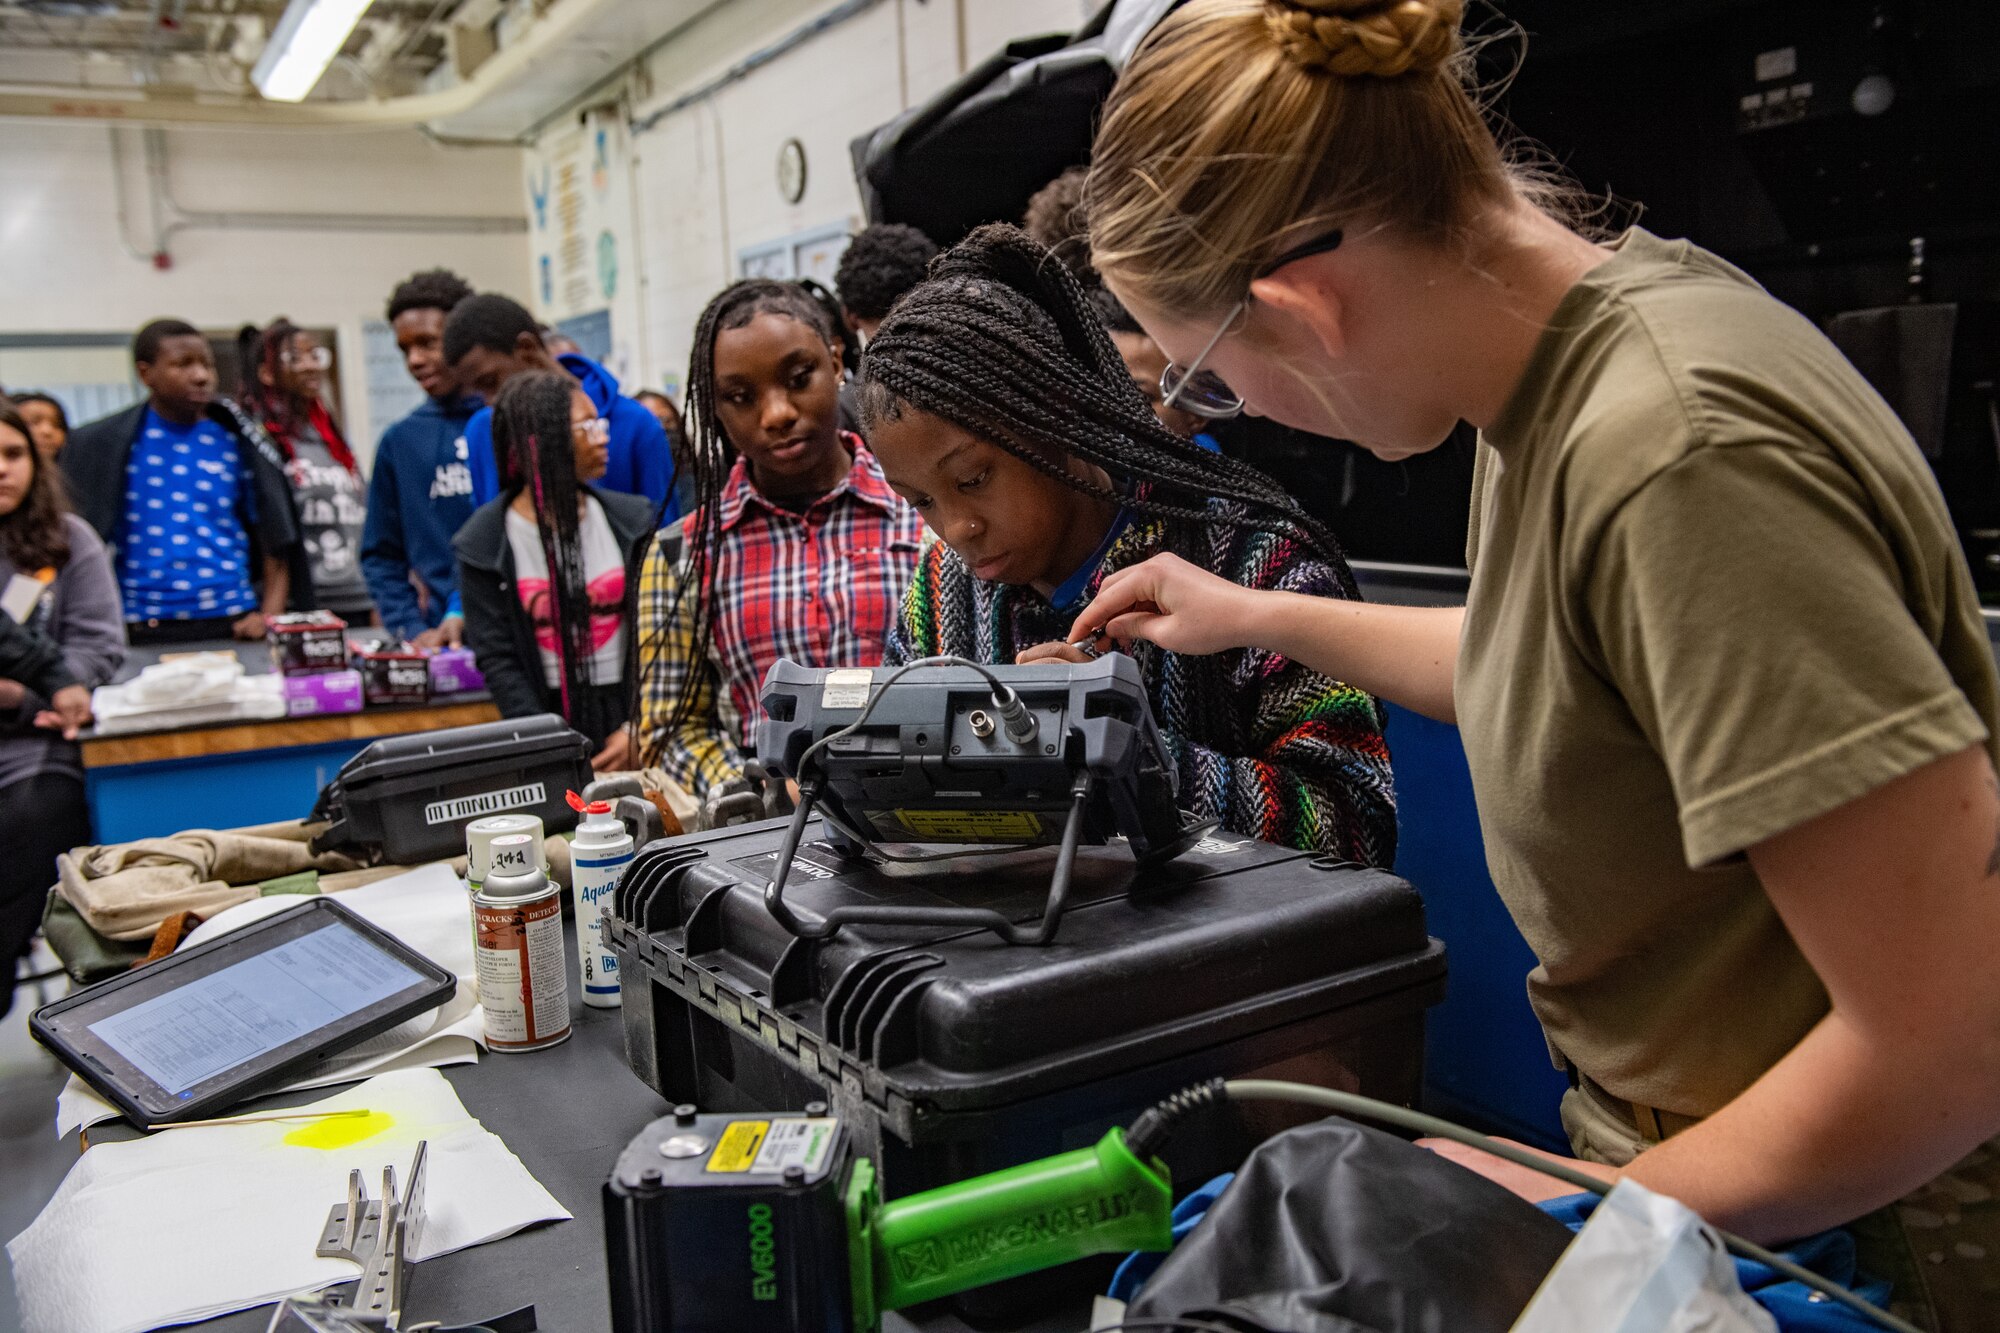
pixel 1205 393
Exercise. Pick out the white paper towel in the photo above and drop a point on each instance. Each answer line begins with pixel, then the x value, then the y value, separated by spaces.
pixel 425 909
pixel 192 1223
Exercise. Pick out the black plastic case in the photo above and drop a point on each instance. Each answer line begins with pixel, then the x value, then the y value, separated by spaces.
pixel 412 796
pixel 949 1053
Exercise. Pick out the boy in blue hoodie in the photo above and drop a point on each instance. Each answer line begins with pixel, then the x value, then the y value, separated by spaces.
pixel 421 492
pixel 489 339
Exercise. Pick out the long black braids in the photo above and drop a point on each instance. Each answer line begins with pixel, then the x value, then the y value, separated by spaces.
pixel 1001 340
pixel 850 346
pixel 531 441
pixel 711 458
pixel 259 350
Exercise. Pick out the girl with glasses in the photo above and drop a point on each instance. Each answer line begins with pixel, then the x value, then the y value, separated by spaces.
pixel 1722 677
pixel 284 370
pixel 1003 413
pixel 545 568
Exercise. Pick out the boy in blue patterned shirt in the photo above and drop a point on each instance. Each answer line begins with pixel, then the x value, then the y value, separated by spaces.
pixel 190 497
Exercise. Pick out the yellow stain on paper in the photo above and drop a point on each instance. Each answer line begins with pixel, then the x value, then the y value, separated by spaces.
pixel 341 1131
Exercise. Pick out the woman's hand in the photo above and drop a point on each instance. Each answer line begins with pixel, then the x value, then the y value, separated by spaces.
pixel 68 712
pixel 249 628
pixel 1166 600
pixel 1057 651
pixel 616 756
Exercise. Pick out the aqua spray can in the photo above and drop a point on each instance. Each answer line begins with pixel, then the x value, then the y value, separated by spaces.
pixel 598 856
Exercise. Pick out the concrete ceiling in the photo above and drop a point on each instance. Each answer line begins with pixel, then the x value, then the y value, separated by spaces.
pixel 201 51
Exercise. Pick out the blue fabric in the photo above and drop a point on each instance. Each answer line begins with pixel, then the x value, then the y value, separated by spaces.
pixel 419 496
pixel 1829 1254
pixel 641 462
pixel 1070 591
pixel 182 550
pixel 1132 1274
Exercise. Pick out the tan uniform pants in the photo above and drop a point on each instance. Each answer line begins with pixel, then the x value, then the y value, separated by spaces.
pixel 1940 1246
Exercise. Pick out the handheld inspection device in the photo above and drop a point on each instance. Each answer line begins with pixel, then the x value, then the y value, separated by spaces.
pixel 944 750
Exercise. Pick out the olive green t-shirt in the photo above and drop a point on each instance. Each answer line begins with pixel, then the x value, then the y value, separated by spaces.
pixel 1715 593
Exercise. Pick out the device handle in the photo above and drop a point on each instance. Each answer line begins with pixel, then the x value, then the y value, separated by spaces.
pixel 1096 1200
pixel 983 918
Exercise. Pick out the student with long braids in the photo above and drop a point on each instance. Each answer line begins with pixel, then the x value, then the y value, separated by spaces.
pixel 1001 410
pixel 544 567
pixel 1728 700
pixel 796 547
pixel 283 369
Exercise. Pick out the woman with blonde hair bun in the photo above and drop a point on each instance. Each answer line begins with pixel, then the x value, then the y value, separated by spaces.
pixel 1722 678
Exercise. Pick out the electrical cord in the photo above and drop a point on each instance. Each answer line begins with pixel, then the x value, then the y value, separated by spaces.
pixel 1005 702
pixel 1151 1130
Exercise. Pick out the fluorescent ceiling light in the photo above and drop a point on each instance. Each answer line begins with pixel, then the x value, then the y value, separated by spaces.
pixel 304 43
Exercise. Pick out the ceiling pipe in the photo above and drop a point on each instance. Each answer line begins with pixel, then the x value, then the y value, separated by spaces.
pixel 181 218
pixel 118 195
pixel 755 61
pixel 120 107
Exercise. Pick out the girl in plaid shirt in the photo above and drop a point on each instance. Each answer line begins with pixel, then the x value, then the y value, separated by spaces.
pixel 1002 411
pixel 796 548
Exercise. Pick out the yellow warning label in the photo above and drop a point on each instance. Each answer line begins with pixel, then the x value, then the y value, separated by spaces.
pixel 971 825
pixel 737 1148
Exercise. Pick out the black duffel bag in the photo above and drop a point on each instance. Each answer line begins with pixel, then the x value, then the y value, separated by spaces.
pixel 1336 1228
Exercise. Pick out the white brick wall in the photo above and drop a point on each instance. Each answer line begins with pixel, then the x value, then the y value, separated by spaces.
pixel 62 268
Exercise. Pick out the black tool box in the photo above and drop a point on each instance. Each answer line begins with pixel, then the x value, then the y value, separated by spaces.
pixel 409 798
pixel 949 1052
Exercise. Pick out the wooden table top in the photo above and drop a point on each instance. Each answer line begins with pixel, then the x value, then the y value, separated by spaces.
pixel 281 733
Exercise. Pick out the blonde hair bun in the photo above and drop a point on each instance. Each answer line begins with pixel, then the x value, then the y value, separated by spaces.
pixel 1379 39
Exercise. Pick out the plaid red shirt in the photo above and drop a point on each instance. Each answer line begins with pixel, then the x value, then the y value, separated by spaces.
pixel 824 588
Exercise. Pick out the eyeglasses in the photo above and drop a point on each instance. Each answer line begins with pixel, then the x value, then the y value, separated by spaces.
pixel 597 430
pixel 1205 393
pixel 318 358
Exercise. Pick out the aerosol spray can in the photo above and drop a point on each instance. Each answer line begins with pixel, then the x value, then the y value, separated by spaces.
pixel 479 836
pixel 523 971
pixel 598 856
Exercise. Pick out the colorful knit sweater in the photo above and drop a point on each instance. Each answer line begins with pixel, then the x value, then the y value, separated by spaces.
pixel 1275 750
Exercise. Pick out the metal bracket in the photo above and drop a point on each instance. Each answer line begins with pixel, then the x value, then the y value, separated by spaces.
pixel 380 1235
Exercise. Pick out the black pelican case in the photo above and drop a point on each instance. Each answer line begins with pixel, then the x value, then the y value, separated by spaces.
pixel 410 797
pixel 949 1052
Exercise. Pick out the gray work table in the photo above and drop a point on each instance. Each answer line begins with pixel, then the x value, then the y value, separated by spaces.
pixel 565 1111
